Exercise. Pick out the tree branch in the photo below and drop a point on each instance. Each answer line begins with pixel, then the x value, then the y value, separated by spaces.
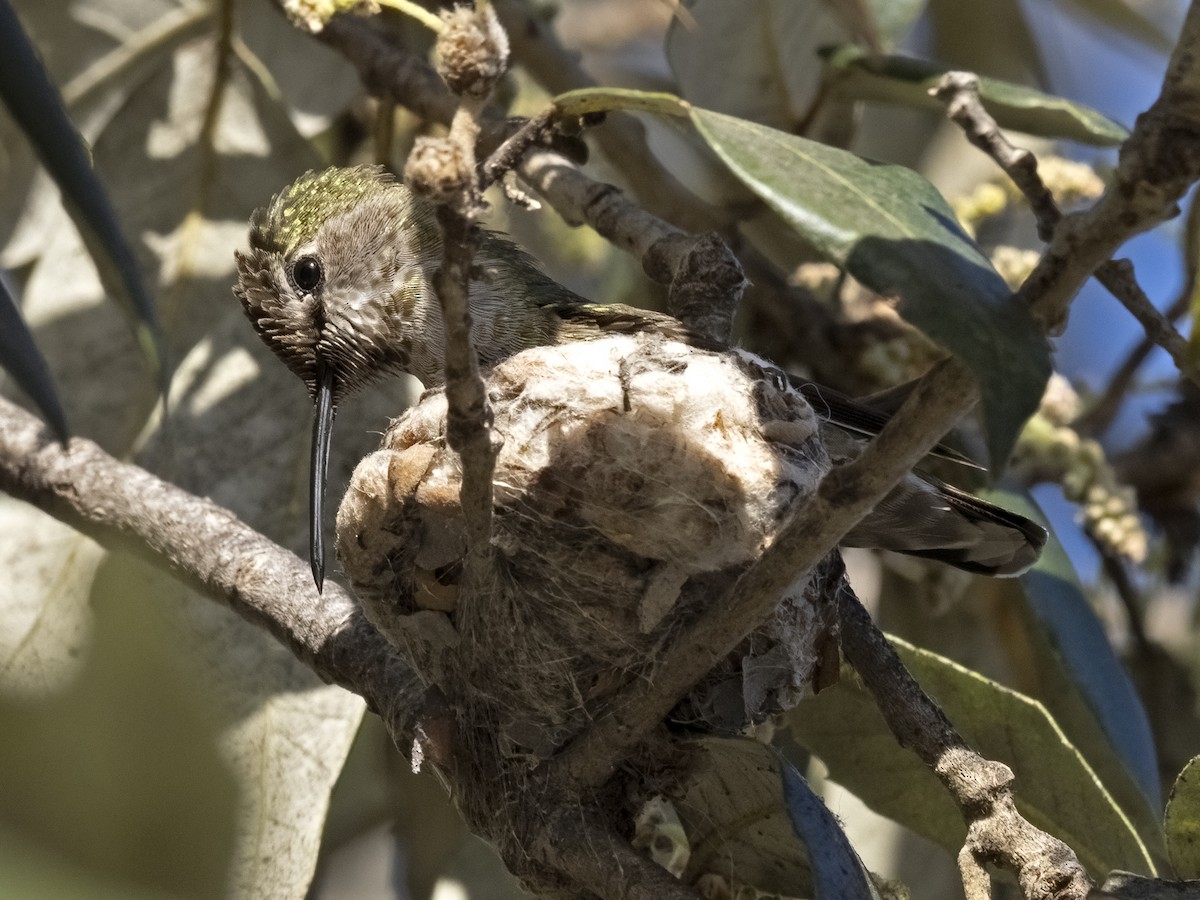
pixel 1046 868
pixel 622 139
pixel 1159 162
pixel 663 250
pixel 124 508
pixel 960 92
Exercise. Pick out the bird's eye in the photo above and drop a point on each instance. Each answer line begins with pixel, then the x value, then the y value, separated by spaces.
pixel 306 274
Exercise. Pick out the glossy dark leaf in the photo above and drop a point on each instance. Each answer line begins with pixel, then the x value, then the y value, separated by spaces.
pixel 21 358
pixel 752 819
pixel 890 228
pixel 36 105
pixel 1056 599
pixel 837 871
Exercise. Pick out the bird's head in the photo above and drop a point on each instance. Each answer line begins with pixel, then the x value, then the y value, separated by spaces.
pixel 337 284
pixel 336 281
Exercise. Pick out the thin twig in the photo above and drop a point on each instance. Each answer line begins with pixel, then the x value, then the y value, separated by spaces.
pixel 508 155
pixel 468 416
pixel 1114 568
pixel 622 139
pixel 1097 419
pixel 960 92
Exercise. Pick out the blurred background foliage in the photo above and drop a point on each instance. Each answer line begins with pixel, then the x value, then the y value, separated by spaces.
pixel 153 744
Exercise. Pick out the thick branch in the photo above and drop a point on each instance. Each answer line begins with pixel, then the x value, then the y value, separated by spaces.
pixel 208 548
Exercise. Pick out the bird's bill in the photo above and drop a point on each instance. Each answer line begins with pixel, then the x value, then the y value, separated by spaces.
pixel 319 470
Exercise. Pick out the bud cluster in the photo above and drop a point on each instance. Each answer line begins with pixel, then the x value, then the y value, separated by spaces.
pixel 1050 448
pixel 472 51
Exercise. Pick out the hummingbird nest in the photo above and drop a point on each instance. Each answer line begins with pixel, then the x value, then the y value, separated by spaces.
pixel 638 477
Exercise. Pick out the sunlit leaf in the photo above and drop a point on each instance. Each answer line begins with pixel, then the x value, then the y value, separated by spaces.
pixel 773 47
pixel 1182 821
pixel 906 80
pixel 185 183
pixel 111 812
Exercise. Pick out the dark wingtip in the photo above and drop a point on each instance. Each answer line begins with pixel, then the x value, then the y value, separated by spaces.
pixel 1023 557
pixel 319 470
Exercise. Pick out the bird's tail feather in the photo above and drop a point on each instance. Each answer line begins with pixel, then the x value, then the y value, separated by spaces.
pixel 928 518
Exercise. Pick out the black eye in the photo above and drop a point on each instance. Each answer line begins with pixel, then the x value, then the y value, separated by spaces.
pixel 306 274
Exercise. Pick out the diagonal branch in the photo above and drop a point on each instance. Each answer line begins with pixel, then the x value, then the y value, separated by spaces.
pixel 1158 163
pixel 125 508
pixel 1046 868
pixel 960 92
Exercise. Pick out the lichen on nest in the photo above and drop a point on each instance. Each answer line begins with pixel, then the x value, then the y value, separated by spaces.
pixel 638 476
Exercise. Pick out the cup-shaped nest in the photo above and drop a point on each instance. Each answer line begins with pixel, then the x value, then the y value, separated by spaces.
pixel 637 477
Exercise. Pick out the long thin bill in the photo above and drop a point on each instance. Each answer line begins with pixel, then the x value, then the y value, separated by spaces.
pixel 319 471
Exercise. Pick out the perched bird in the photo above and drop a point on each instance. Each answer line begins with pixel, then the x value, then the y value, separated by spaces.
pixel 337 283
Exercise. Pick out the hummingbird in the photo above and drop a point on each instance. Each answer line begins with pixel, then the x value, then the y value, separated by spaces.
pixel 338 284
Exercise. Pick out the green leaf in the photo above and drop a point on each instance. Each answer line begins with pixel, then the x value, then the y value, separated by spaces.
pixel 148 750
pixel 187 190
pixel 1055 788
pixel 19 355
pixel 895 17
pixel 773 46
pixel 1072 646
pixel 37 107
pixel 1182 821
pixel 837 870
pixel 890 228
pixel 904 80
